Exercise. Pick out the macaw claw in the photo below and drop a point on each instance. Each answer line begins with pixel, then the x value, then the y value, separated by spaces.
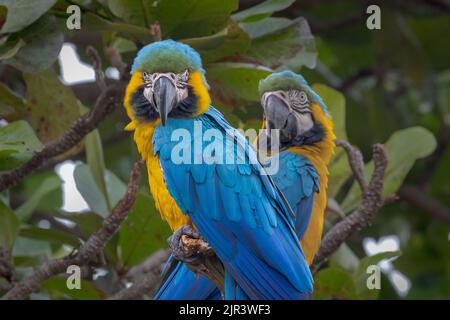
pixel 186 245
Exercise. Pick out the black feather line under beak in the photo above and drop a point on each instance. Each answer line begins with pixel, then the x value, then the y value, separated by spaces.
pixel 165 96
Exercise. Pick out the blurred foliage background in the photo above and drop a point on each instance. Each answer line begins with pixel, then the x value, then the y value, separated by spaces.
pixel 390 86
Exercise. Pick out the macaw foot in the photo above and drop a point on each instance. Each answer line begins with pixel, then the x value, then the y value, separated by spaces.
pixel 188 246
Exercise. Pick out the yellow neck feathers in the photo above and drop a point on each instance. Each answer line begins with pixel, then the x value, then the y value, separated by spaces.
pixel 201 92
pixel 319 154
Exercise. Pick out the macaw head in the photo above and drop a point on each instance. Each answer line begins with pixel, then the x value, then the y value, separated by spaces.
pixel 291 106
pixel 167 81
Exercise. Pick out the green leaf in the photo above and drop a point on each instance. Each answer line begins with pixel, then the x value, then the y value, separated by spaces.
pixel 50 235
pixel 402 149
pixel 50 184
pixel 195 18
pixel 360 275
pixel 345 258
pixel 22 13
pixel 143 232
pixel 96 162
pixel 132 11
pixel 48 200
pixel 91 193
pixel 43 41
pixel 333 283
pixel 233 82
pixel 338 167
pixel 9 227
pixel 17 144
pixel 57 286
pixel 266 26
pixel 10 48
pixel 290 47
pixel 231 41
pixel 86 185
pixel 11 105
pixel 262 9
pixel 3 14
pixel 95 23
pixel 52 107
pixel 24 247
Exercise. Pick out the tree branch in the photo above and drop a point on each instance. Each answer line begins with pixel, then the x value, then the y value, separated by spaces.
pixel 418 198
pixel 89 250
pixel 6 268
pixel 146 277
pixel 356 162
pixel 371 202
pixel 97 66
pixel 155 31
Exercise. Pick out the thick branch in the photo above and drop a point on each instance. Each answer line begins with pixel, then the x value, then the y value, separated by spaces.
pixel 106 103
pixel 145 276
pixel 89 250
pixel 371 201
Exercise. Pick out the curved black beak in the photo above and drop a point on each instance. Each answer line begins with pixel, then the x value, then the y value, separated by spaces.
pixel 165 96
pixel 276 111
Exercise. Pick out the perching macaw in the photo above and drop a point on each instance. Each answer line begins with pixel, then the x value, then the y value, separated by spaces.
pixel 225 196
pixel 306 142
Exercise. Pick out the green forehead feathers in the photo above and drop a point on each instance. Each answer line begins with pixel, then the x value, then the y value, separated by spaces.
pixel 167 56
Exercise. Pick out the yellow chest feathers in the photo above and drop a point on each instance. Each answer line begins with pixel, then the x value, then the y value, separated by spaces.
pixel 164 202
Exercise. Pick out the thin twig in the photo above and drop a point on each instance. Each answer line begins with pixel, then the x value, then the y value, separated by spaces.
pixel 371 202
pixel 155 31
pixel 89 250
pixel 116 61
pixel 97 66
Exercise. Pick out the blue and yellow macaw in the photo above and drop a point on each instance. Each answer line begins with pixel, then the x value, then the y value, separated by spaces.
pixel 233 204
pixel 306 142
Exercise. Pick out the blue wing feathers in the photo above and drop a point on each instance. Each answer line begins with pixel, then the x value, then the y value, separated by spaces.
pixel 298 181
pixel 182 284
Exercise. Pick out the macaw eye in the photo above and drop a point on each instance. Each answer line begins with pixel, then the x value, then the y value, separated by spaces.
pixel 182 79
pixel 148 79
pixel 303 98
